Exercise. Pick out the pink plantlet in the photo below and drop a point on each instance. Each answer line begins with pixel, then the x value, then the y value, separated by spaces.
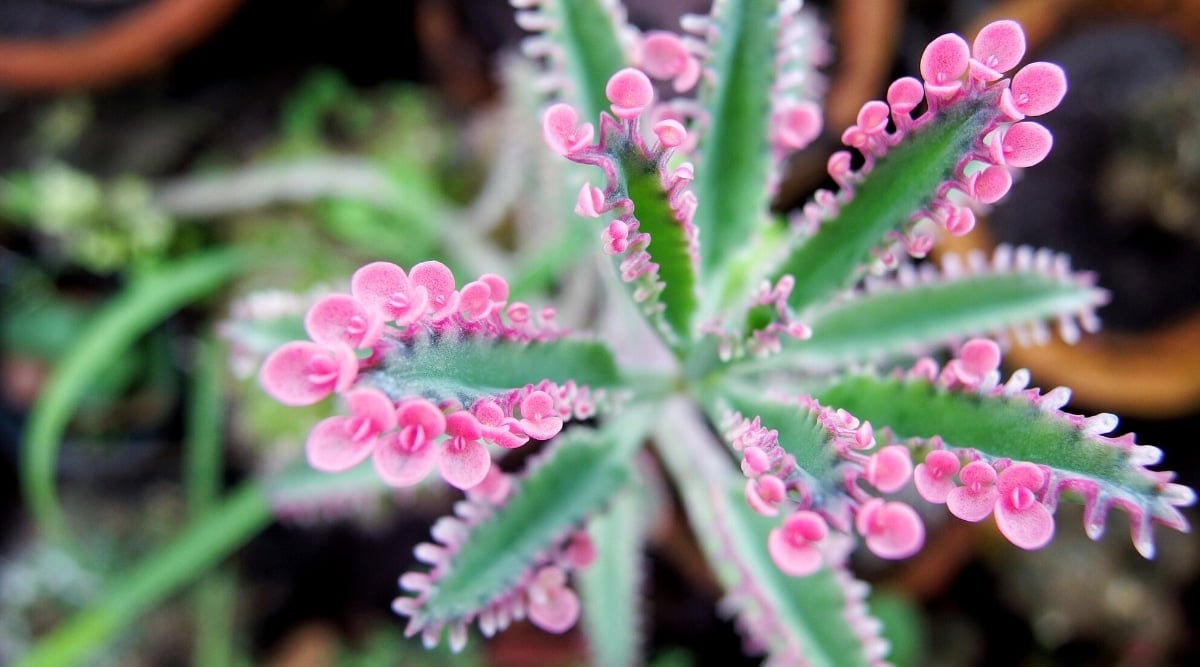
pixel 580 552
pixel 630 92
pixel 616 237
pixel 498 286
pixel 302 372
pixel 498 427
pixel 438 281
pixel 755 461
pixel 1026 522
pixel 991 184
pixel 664 56
pixel 385 287
pixel 889 469
pixel 464 461
pixel 794 545
pixel 342 319
pixel 1037 88
pixel 903 96
pixel 495 488
pixel 873 117
pixel 562 131
pixel 765 493
pixel 340 443
pixel 552 606
pixel 974 500
pixel 475 301
pixel 959 220
pixel 539 418
pixel 405 457
pixel 998 47
pixel 892 529
pixel 976 359
pixel 934 477
pixel 943 65
pixel 590 202
pixel 670 133
pixel 797 124
pixel 1024 145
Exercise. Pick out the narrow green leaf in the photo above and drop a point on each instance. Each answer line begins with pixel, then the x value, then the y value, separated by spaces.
pixel 610 588
pixel 997 426
pixel 142 305
pixel 468 368
pixel 583 471
pixel 921 317
pixel 902 182
pixel 734 155
pixel 669 243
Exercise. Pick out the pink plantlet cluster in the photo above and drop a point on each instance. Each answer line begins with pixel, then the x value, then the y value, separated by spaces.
pixel 621 146
pixel 387 314
pixel 1005 259
pixel 955 76
pixel 541 593
pixel 890 529
pixel 1020 495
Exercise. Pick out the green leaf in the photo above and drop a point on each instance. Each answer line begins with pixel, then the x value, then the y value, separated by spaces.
pixel 799 620
pixel 800 434
pixel 919 317
pixel 610 588
pixel 584 29
pixel 467 368
pixel 803 618
pixel 582 472
pixel 902 182
pixel 733 153
pixel 669 243
pixel 1000 426
pixel 142 305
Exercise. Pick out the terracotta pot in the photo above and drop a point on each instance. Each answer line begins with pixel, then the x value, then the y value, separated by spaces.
pixel 140 41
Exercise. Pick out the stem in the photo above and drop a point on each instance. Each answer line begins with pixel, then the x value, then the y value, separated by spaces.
pixel 202 544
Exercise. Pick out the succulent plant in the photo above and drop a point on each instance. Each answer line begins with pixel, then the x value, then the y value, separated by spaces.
pixel 796 406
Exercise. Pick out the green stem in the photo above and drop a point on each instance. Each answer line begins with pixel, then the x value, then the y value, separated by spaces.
pixel 202 544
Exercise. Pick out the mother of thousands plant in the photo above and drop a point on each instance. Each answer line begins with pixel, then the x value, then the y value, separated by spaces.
pixel 799 339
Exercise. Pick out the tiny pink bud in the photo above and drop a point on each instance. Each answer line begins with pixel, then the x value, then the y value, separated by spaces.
pixel 934 478
pixel 1038 88
pixel 670 133
pixel 798 124
pixel 991 184
pixel 998 47
pixel 943 64
pixel 974 500
pixel 892 530
pixel 889 469
pixel 793 545
pixel 905 94
pixel 1026 144
pixel 590 201
pixel 562 132
pixel 630 92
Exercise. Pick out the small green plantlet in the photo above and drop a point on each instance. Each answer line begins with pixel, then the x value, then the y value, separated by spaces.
pixel 797 339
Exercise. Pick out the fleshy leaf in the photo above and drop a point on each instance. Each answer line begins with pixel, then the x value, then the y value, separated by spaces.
pixel 901 183
pixel 1006 426
pixel 467 368
pixel 489 564
pixel 922 309
pixel 819 619
pixel 611 588
pixel 734 152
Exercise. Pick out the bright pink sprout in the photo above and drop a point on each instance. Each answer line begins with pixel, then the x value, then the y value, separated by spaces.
pixel 1024 145
pixel 405 457
pixel 664 56
pixel 343 319
pixel 793 546
pixel 302 372
pixel 976 359
pixel 892 529
pixel 590 202
pixel 974 500
pixel 1024 520
pixel 998 47
pixel 1037 88
pixel 797 125
pixel 630 92
pixel 562 131
pixel 553 606
pixel 342 442
pixel 934 478
pixel 943 64
pixel 385 288
pixel 464 461
pixel 539 417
